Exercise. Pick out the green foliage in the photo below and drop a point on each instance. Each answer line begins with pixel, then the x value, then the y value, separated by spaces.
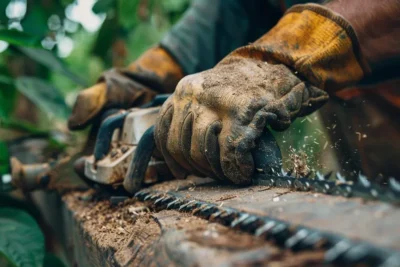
pixel 19 38
pixel 23 126
pixel 128 13
pixel 136 24
pixel 51 260
pixel 4 159
pixel 35 21
pixel 7 96
pixel 44 95
pixel 3 5
pixel 102 6
pixel 52 62
pixel 145 35
pixel 175 5
pixel 36 71
pixel 21 242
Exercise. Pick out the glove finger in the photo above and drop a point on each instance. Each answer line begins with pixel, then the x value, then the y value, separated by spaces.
pixel 212 151
pixel 88 104
pixel 187 144
pixel 199 136
pixel 162 135
pixel 316 99
pixel 228 140
pixel 179 137
pixel 283 119
pixel 244 157
pixel 293 101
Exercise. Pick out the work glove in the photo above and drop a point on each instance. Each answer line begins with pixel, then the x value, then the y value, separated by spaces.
pixel 153 73
pixel 211 123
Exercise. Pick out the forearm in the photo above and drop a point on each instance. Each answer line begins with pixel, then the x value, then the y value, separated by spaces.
pixel 377 25
pixel 210 29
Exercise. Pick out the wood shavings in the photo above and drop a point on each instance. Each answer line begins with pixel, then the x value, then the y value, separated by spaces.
pixel 226 197
pixel 299 161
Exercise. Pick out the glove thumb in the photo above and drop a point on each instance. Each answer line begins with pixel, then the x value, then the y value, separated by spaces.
pixel 88 104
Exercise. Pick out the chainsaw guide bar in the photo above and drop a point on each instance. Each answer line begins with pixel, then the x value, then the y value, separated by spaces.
pixel 363 188
pixel 339 250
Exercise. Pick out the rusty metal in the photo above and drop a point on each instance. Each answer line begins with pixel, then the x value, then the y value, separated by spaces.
pixel 30 177
pixel 339 250
pixel 362 188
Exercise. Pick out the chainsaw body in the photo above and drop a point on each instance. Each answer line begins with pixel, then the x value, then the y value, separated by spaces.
pixel 116 145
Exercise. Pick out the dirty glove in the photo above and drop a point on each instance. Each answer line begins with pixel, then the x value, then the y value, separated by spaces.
pixel 212 122
pixel 154 72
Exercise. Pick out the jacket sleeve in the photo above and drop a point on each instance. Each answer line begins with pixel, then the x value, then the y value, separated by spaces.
pixel 210 29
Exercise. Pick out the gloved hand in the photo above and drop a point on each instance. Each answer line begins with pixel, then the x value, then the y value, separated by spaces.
pixel 154 72
pixel 211 123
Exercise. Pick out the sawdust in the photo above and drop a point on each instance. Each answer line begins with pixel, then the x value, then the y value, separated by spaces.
pixel 299 163
pixel 175 185
pixel 114 226
pixel 226 197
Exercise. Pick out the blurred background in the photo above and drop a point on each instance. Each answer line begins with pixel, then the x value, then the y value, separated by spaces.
pixel 51 49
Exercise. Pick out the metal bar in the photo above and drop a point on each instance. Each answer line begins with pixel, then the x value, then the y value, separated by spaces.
pixel 363 188
pixel 339 250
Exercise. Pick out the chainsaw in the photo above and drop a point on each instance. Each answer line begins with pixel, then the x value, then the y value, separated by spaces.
pixel 123 157
pixel 125 144
pixel 123 154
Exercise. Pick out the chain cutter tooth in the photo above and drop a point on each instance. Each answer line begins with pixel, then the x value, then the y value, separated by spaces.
pixel 186 206
pixel 334 253
pixel 239 220
pixel 207 211
pixel 141 194
pixel 264 229
pixel 294 241
pixel 280 233
pixel 174 204
pixel 251 223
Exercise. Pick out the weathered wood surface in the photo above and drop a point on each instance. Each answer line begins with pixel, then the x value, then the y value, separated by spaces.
pixel 164 238
pixel 102 235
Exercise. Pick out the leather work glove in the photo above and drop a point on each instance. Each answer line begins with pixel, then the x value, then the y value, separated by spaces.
pixel 154 72
pixel 211 123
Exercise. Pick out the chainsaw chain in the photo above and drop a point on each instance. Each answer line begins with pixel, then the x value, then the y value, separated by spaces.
pixel 362 188
pixel 339 250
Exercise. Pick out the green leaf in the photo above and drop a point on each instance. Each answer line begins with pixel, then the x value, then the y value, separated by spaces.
pixel 21 242
pixel 44 95
pixel 15 124
pixel 175 5
pixel 35 21
pixel 6 80
pixel 19 38
pixel 4 158
pixel 51 260
pixel 106 36
pixel 127 13
pixel 3 16
pixel 7 96
pixel 102 6
pixel 49 60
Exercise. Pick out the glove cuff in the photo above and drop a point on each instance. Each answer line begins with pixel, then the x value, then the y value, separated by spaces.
pixel 318 44
pixel 157 69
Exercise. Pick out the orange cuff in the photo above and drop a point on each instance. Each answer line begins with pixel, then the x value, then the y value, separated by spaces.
pixel 318 44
